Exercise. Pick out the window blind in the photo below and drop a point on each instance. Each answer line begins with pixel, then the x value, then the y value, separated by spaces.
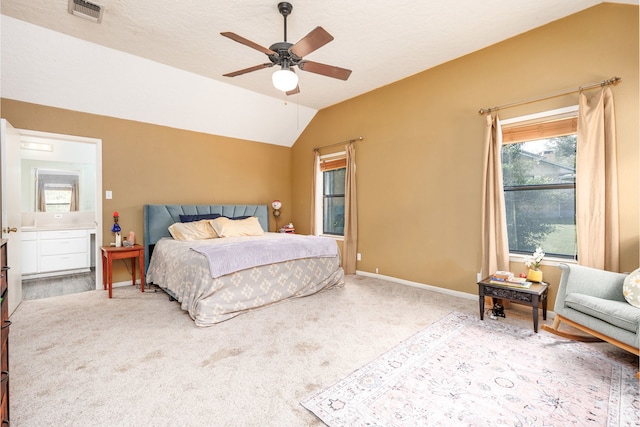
pixel 543 130
pixel 327 165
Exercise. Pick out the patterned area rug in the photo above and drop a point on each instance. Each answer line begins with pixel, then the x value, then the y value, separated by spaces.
pixel 463 371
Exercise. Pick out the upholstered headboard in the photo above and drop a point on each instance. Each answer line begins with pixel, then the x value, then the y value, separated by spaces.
pixel 158 218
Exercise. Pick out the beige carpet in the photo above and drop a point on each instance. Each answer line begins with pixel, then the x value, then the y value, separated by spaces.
pixel 139 360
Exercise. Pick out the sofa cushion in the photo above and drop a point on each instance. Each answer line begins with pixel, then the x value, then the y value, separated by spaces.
pixel 631 288
pixel 618 313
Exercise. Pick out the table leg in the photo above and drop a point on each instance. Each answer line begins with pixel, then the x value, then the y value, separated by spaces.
pixel 110 274
pixel 481 306
pixel 544 306
pixel 141 264
pixel 133 270
pixel 536 303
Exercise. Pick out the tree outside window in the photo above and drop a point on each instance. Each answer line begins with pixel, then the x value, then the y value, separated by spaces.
pixel 539 189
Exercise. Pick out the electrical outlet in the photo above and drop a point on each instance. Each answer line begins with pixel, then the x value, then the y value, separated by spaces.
pixel 376 270
pixel 108 195
pixel 359 256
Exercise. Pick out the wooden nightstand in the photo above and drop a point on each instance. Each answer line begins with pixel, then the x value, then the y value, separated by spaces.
pixel 109 253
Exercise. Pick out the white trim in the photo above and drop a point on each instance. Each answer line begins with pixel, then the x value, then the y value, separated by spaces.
pixel 319 216
pixel 446 291
pixel 550 314
pixel 546 261
pixel 38 136
pixel 568 111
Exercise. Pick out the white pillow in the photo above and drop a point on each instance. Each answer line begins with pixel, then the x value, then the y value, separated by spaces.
pixel 225 227
pixel 631 288
pixel 197 230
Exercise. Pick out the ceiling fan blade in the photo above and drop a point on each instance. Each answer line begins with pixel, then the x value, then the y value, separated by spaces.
pixel 248 70
pixel 325 70
pixel 293 91
pixel 317 38
pixel 242 40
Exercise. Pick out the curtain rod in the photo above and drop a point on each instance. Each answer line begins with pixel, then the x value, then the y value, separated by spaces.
pixel 611 81
pixel 339 143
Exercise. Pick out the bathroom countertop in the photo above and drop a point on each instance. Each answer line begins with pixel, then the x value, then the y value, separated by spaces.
pixel 52 227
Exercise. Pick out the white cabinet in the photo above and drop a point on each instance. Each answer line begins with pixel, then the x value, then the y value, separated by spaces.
pixel 55 251
pixel 29 250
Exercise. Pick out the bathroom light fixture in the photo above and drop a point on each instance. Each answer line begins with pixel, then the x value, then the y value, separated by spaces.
pixel 38 146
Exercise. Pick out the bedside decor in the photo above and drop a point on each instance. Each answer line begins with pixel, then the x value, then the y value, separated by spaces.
pixel 276 205
pixel 534 262
pixel 116 229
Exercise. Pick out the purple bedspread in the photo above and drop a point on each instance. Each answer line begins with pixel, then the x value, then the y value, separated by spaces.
pixel 240 255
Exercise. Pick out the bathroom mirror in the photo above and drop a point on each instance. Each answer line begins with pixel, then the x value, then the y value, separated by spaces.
pixel 57 186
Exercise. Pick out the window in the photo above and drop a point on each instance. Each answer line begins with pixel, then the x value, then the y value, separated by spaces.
pixel 330 202
pixel 56 191
pixel 539 170
pixel 57 197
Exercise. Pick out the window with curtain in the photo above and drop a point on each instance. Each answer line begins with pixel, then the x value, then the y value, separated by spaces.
pixel 539 178
pixel 57 191
pixel 331 177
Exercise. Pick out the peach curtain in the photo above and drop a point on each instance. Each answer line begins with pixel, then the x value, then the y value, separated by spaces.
pixel 314 183
pixel 597 183
pixel 349 248
pixel 74 205
pixel 495 244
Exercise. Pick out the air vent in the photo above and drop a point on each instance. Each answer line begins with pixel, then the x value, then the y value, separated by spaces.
pixel 86 10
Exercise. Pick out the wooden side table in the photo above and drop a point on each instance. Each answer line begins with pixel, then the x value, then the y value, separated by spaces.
pixel 532 296
pixel 109 253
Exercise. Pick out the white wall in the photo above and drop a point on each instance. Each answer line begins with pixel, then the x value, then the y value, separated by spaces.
pixel 50 68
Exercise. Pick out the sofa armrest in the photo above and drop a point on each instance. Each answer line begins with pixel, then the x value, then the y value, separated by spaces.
pixel 589 281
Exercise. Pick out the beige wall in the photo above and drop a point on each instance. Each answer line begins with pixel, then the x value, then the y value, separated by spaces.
pixel 144 163
pixel 419 167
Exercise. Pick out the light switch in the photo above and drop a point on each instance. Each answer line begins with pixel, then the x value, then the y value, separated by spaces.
pixel 108 195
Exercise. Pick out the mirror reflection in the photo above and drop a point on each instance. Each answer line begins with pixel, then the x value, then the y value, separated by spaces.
pixel 57 186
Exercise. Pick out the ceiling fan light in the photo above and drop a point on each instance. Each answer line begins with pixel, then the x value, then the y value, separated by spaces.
pixel 285 80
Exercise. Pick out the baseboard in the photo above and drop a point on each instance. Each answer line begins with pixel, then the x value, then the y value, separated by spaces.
pixel 420 285
pixel 465 295
pixel 127 283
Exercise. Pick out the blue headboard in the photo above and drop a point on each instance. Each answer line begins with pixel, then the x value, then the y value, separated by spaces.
pixel 158 218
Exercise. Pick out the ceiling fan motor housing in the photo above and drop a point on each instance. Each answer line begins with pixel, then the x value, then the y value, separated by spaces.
pixel 285 8
pixel 283 53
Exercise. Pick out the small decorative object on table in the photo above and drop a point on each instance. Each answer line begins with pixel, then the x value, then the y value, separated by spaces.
pixel 289 228
pixel 130 240
pixel 116 229
pixel 534 262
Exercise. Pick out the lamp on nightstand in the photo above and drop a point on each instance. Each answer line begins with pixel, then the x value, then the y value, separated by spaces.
pixel 276 205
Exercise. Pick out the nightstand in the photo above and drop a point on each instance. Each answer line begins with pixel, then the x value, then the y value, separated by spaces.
pixel 109 253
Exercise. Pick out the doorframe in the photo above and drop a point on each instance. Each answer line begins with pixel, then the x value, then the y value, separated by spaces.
pixel 98 202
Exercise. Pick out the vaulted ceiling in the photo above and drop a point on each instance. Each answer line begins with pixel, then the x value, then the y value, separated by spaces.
pixel 380 41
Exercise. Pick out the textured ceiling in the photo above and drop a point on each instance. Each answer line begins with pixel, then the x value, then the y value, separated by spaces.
pixel 381 42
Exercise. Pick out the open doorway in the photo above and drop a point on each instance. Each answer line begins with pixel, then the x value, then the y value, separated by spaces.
pixel 61 220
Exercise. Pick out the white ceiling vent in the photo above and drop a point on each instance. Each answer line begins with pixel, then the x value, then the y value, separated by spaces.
pixel 86 10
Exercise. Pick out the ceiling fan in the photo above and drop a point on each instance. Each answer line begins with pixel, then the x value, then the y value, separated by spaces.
pixel 287 56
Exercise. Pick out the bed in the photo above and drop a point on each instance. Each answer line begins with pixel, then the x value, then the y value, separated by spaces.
pixel 217 279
